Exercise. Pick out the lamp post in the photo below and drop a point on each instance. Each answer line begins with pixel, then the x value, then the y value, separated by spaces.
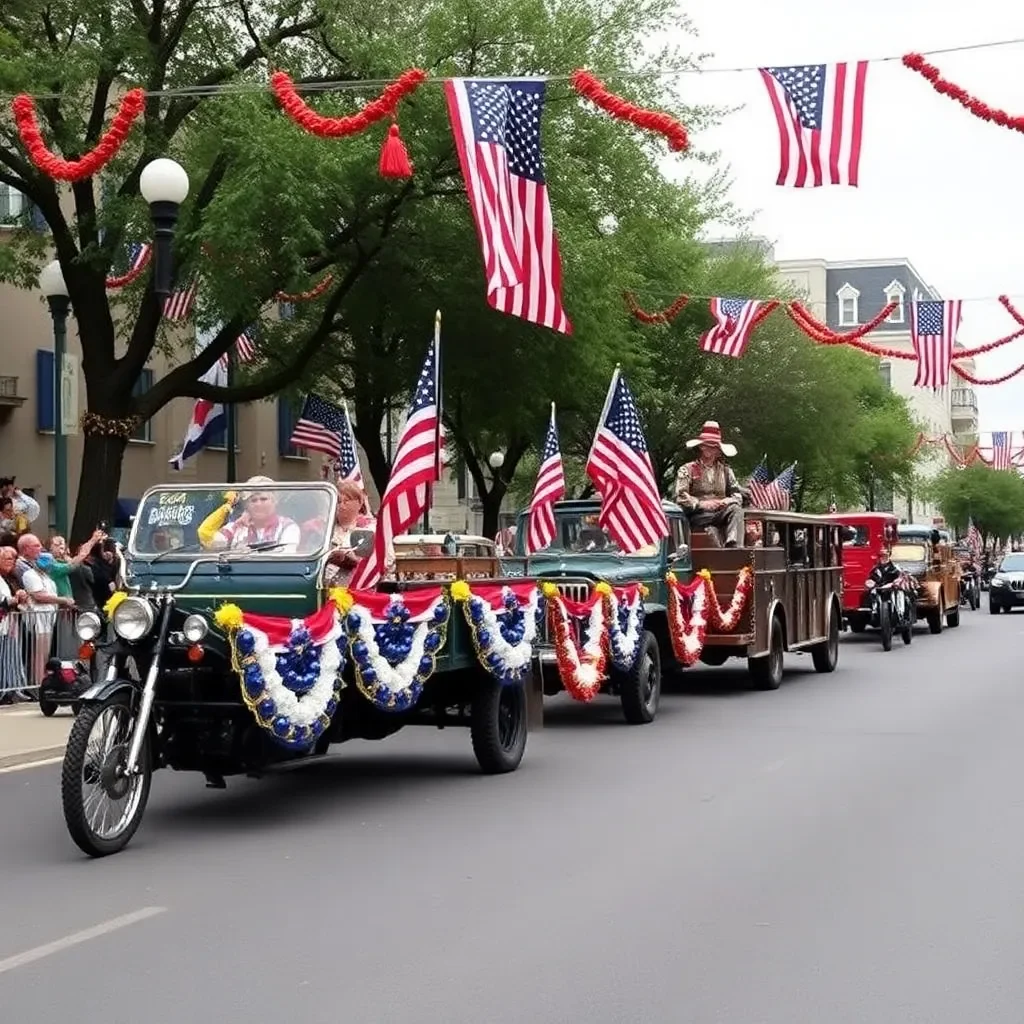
pixel 164 185
pixel 496 460
pixel 52 285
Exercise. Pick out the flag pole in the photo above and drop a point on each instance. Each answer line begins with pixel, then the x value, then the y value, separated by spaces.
pixel 437 443
pixel 229 413
pixel 607 406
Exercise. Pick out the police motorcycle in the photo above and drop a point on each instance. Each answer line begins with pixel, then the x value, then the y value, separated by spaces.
pixel 892 603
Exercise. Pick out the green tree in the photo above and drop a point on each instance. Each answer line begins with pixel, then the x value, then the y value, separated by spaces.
pixel 272 208
pixel 993 499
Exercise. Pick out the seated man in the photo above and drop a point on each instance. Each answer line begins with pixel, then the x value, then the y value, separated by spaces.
pixel 259 524
pixel 754 534
pixel 707 488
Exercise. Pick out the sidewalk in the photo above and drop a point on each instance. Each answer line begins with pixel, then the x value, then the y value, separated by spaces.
pixel 26 736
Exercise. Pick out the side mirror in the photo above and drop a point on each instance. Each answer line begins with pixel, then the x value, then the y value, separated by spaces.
pixel 680 553
pixel 361 542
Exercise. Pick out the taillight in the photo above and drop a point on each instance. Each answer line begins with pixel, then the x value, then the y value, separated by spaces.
pixel 195 653
pixel 86 651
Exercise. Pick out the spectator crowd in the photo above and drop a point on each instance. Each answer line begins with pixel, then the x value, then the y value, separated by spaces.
pixel 42 587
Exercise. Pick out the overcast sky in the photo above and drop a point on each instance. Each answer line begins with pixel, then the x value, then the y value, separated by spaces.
pixel 938 186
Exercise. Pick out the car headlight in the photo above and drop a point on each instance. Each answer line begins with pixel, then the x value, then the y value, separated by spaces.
pixel 88 627
pixel 194 628
pixel 997 582
pixel 133 618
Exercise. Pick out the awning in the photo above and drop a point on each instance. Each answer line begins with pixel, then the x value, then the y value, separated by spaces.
pixel 124 511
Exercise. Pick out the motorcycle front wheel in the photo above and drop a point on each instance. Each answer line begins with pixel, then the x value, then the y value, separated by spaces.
pixel 885 624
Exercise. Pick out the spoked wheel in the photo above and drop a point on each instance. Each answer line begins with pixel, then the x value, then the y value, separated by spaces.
pixel 103 807
pixel 498 725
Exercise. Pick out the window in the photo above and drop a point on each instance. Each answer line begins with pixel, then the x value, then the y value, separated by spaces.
pixel 44 391
pixel 895 293
pixel 848 311
pixel 144 431
pixel 12 204
pixel 287 416
pixel 885 372
pixel 219 438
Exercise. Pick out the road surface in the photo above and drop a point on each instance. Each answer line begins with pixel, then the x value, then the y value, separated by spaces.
pixel 847 849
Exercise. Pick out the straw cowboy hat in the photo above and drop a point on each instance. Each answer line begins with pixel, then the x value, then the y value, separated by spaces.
pixel 711 434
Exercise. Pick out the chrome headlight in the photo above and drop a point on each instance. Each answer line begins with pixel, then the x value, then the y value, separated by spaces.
pixel 194 628
pixel 997 582
pixel 133 618
pixel 88 627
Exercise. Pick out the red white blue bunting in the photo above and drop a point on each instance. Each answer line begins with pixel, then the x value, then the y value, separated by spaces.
pixel 503 624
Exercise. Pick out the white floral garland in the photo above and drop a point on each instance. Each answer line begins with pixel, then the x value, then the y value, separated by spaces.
pixel 625 644
pixel 581 677
pixel 512 659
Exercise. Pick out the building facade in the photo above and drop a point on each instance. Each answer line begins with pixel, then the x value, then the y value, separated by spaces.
pixel 847 294
pixel 27 390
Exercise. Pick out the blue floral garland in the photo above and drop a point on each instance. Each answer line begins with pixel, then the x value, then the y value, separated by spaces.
pixel 508 655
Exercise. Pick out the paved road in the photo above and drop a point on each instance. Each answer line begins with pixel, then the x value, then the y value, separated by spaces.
pixel 847 849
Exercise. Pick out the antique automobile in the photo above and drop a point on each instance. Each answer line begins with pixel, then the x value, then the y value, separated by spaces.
pixel 921 553
pixel 434 554
pixel 1006 587
pixel 867 537
pixel 227 655
pixel 682 600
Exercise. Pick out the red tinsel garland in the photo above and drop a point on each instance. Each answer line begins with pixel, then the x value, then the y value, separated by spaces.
pixel 664 316
pixel 980 109
pixel 85 166
pixel 971 379
pixel 831 337
pixel 314 293
pixel 763 313
pixel 726 621
pixel 338 127
pixel 593 89
pixel 133 275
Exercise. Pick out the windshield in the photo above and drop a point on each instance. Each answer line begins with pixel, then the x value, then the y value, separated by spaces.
pixel 909 553
pixel 274 520
pixel 1012 563
pixel 579 533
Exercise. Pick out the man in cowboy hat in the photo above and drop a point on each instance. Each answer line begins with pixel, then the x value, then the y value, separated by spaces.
pixel 707 487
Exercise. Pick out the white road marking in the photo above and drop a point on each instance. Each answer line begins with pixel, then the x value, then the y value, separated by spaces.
pixel 76 938
pixel 30 764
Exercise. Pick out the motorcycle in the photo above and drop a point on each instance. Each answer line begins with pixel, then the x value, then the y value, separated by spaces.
pixel 970 591
pixel 893 608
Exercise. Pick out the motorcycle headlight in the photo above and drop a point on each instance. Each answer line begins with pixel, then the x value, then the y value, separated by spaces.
pixel 194 628
pixel 133 618
pixel 88 627
pixel 870 584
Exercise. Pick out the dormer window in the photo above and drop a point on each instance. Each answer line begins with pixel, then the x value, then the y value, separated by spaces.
pixel 895 293
pixel 848 306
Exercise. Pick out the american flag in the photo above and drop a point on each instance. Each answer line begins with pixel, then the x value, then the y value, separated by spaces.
pixel 416 467
pixel 1001 449
pixel 973 538
pixel 319 427
pixel 766 493
pixel 496 124
pixel 819 110
pixel 348 461
pixel 734 320
pixel 138 253
pixel 178 305
pixel 550 487
pixel 245 347
pixel 621 469
pixel 933 327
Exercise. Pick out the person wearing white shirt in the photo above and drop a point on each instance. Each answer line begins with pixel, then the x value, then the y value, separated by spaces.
pixel 44 601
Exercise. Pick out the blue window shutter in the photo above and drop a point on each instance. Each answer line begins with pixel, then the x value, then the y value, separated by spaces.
pixel 44 390
pixel 285 425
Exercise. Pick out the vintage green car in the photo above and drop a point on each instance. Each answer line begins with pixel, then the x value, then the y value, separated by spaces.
pixel 228 654
pixel 779 594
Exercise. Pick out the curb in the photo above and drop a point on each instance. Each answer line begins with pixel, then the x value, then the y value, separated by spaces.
pixel 30 756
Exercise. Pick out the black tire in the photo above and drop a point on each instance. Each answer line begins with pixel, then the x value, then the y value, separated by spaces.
pixel 766 671
pixel 858 625
pixel 975 597
pixel 498 725
pixel 74 772
pixel 885 624
pixel 47 706
pixel 993 608
pixel 825 656
pixel 907 632
pixel 640 688
pixel 953 617
pixel 935 619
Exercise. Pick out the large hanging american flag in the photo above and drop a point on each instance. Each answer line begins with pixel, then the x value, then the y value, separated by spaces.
pixel 496 123
pixel 320 427
pixel 766 493
pixel 416 466
pixel 550 487
pixel 933 327
pixel 819 110
pixel 620 467
pixel 1001 455
pixel 734 320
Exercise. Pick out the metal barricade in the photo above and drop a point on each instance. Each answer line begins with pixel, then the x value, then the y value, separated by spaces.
pixel 29 637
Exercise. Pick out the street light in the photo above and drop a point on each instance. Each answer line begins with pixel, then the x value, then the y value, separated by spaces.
pixel 496 460
pixel 164 185
pixel 53 286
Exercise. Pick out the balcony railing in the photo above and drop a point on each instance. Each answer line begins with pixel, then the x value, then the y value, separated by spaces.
pixel 964 398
